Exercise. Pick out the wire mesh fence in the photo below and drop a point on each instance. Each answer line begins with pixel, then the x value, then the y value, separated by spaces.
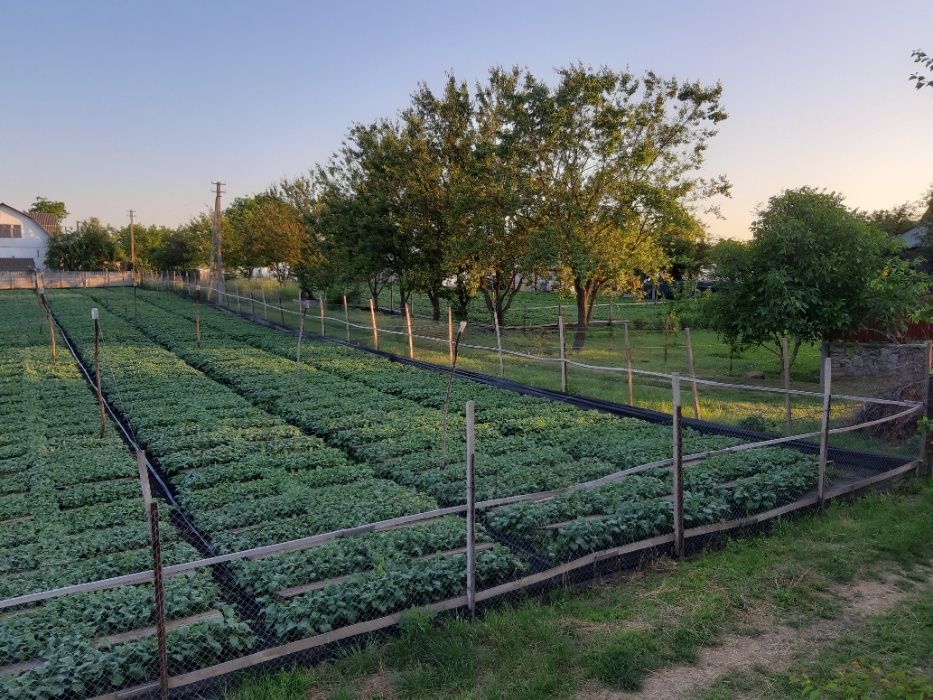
pixel 561 495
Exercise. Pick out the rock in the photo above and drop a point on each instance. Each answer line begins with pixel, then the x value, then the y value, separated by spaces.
pixel 755 374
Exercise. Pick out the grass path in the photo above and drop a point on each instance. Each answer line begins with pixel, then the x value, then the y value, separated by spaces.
pixel 801 586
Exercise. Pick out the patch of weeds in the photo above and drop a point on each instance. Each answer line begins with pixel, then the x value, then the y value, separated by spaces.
pixel 623 659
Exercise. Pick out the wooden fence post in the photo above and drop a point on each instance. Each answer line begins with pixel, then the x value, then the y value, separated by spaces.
pixel 471 506
pixel 197 315
pixel 495 320
pixel 824 428
pixel 610 311
pixel 628 363
pixel 785 359
pixel 450 333
pixel 563 354
pixel 678 468
pixel 925 468
pixel 281 308
pixel 100 395
pixel 48 312
pixel 346 316
pixel 411 340
pixel 693 374
pixel 372 315
pixel 667 334
pixel 252 303
pixel 320 303
pixel 265 306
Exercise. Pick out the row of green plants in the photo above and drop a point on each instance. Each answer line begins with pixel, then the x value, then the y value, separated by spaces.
pixel 73 512
pixel 524 444
pixel 268 482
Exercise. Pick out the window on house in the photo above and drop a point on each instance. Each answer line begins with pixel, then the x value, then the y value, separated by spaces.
pixel 17 231
pixel 11 231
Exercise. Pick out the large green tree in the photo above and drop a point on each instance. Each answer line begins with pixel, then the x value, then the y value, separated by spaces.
pixel 814 270
pixel 90 246
pixel 268 232
pixel 617 155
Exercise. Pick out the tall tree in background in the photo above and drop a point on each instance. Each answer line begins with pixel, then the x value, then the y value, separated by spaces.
pixel 90 246
pixel 49 206
pixel 814 270
pixel 148 240
pixel 268 232
pixel 616 153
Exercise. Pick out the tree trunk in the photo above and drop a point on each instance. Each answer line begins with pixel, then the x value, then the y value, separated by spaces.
pixel 583 319
pixel 435 298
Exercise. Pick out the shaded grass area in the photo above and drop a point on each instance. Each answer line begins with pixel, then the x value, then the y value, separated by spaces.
pixel 888 656
pixel 616 633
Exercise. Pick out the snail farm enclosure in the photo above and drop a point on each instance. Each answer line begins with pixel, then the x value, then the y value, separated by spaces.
pixel 186 492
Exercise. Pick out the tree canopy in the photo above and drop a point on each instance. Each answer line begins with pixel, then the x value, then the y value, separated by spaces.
pixel 49 206
pixel 814 270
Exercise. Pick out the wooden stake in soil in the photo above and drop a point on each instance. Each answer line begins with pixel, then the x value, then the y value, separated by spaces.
pixel 252 303
pixel 159 599
pixel 563 354
pixel 305 305
pixel 100 395
pixel 450 333
pixel 372 315
pixel 495 321
pixel 667 334
pixel 471 506
pixel 197 315
pixel 346 316
pixel 925 467
pixel 678 468
pixel 265 306
pixel 824 428
pixel 411 341
pixel 693 374
pixel 628 364
pixel 281 308
pixel 320 303
pixel 48 312
pixel 785 359
pixel 450 385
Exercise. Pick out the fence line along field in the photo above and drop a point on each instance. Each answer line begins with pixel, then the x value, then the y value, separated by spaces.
pixel 257 445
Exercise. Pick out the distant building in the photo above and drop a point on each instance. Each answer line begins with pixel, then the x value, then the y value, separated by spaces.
pixel 24 239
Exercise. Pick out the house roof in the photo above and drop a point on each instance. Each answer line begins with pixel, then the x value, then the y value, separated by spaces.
pixel 47 220
pixel 33 216
pixel 17 265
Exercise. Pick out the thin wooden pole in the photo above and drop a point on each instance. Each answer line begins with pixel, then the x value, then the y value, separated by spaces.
pixel 305 305
pixel 197 315
pixel 159 599
pixel 678 467
pixel 450 333
pixel 281 308
pixel 252 303
pixel 610 311
pixel 693 374
pixel 563 354
pixel 628 364
pixel 320 303
pixel 135 308
pixel 346 316
pixel 372 316
pixel 471 505
pixel 785 359
pixel 411 340
pixel 495 320
pixel 925 467
pixel 450 386
pixel 48 313
pixel 824 429
pixel 265 307
pixel 667 333
pixel 100 395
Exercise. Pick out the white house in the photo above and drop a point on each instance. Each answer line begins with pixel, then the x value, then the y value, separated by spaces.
pixel 22 239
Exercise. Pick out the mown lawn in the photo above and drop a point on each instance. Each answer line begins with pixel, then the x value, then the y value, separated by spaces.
pixel 614 634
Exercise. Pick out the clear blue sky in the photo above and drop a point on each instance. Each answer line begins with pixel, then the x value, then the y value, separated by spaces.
pixel 118 105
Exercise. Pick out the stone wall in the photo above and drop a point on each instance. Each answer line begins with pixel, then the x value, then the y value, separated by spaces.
pixel 878 359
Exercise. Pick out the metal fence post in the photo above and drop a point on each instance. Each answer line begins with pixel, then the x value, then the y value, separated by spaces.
pixel 824 428
pixel 100 395
pixel 693 374
pixel 785 358
pixel 628 363
pixel 563 354
pixel 471 506
pixel 925 468
pixel 372 315
pixel 450 333
pixel 677 474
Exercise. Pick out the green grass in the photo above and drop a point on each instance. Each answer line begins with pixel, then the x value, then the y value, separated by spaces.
pixel 616 633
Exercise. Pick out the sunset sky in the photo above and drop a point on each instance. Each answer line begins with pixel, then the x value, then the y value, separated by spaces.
pixel 118 105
